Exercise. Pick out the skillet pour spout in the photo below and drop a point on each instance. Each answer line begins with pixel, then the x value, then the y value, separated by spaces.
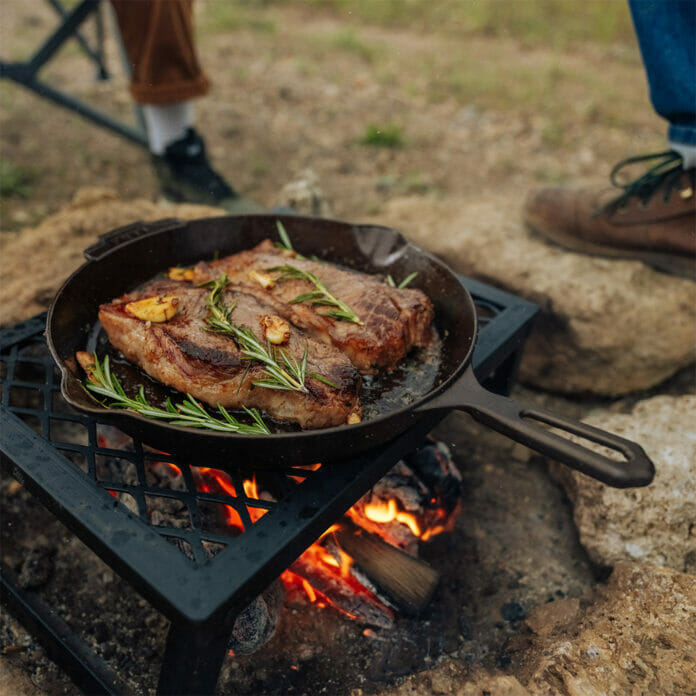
pixel 127 257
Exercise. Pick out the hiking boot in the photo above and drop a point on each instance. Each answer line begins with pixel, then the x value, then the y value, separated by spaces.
pixel 653 220
pixel 185 175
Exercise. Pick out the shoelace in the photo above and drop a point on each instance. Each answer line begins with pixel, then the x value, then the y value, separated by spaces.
pixel 666 173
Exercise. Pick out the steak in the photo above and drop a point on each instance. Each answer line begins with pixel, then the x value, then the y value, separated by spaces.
pixel 394 320
pixel 184 354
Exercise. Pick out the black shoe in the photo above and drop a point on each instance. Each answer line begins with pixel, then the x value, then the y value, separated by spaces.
pixel 185 175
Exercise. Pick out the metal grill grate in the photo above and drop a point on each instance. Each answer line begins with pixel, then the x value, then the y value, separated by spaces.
pixel 180 501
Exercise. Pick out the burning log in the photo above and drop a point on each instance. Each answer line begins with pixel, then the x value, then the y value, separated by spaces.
pixel 406 580
pixel 419 498
pixel 345 594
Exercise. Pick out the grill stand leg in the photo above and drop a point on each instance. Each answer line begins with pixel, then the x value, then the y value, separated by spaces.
pixel 192 659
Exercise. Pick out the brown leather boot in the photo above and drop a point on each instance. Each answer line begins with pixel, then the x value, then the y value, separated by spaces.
pixel 653 220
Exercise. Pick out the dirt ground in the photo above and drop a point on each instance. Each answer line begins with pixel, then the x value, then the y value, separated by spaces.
pixel 296 87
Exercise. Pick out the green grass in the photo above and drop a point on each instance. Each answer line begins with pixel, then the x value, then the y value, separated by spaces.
pixel 555 23
pixel 14 181
pixel 390 135
pixel 348 41
pixel 230 15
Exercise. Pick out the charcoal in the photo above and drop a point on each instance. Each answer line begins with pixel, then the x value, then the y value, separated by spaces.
pixel 37 567
pixel 257 623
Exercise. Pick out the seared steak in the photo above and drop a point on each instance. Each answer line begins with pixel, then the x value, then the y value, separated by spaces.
pixel 393 320
pixel 183 354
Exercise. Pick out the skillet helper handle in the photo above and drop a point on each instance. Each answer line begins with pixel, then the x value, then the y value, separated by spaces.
pixel 517 421
pixel 113 239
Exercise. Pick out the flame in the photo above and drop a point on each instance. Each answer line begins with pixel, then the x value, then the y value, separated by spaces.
pixel 251 490
pixel 308 467
pixel 388 512
pixel 309 590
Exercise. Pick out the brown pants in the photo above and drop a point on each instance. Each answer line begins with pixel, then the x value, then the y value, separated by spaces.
pixel 159 41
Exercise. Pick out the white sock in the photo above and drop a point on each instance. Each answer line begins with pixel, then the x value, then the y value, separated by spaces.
pixel 167 124
pixel 688 153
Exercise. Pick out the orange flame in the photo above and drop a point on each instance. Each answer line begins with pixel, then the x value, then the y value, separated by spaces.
pixel 251 490
pixel 383 513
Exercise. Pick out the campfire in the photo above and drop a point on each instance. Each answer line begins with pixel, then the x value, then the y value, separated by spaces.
pixel 365 566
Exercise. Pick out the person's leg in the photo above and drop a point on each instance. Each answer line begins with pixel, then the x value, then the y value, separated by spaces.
pixel 653 218
pixel 160 44
pixel 166 76
pixel 666 31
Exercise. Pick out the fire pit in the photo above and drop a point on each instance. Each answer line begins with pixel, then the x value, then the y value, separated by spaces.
pixel 198 575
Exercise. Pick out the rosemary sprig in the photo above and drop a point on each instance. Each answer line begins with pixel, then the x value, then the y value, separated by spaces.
pixel 288 374
pixel 404 282
pixel 320 297
pixel 284 242
pixel 103 382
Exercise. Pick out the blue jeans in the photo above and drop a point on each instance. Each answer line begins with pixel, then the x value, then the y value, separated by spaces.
pixel 666 32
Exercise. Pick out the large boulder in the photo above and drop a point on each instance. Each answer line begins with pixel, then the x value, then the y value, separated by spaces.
pixel 606 326
pixel 657 523
pixel 635 636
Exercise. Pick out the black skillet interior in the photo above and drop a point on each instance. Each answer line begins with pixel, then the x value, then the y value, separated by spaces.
pixel 126 257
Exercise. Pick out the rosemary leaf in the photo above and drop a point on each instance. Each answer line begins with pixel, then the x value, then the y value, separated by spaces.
pixel 189 413
pixel 407 279
pixel 323 379
pixel 392 283
pixel 284 242
pixel 324 298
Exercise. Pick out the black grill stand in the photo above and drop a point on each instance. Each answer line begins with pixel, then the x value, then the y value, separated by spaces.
pixel 200 595
pixel 25 73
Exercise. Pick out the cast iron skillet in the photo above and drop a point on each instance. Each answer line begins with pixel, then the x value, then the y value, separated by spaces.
pixel 125 257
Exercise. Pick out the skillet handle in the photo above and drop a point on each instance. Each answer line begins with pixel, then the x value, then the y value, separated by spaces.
pixel 516 421
pixel 112 239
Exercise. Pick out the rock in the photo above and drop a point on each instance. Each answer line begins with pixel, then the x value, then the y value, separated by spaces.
pixel 606 326
pixel 512 611
pixel 37 567
pixel 637 636
pixel 257 622
pixel 14 681
pixel 657 523
pixel 305 196
pixel 450 677
pixel 553 616
pixel 36 261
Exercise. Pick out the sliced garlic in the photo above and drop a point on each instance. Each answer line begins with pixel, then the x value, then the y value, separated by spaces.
pixel 353 418
pixel 86 361
pixel 176 273
pixel 275 329
pixel 156 309
pixel 263 279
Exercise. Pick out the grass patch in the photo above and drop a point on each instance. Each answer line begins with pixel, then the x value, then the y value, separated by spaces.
pixel 222 15
pixel 14 181
pixel 390 135
pixel 348 41
pixel 555 23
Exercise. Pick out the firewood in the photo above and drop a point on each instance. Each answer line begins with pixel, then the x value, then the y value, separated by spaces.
pixel 346 594
pixel 408 581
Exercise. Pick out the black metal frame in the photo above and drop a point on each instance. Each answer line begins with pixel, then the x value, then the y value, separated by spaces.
pixel 25 72
pixel 202 597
